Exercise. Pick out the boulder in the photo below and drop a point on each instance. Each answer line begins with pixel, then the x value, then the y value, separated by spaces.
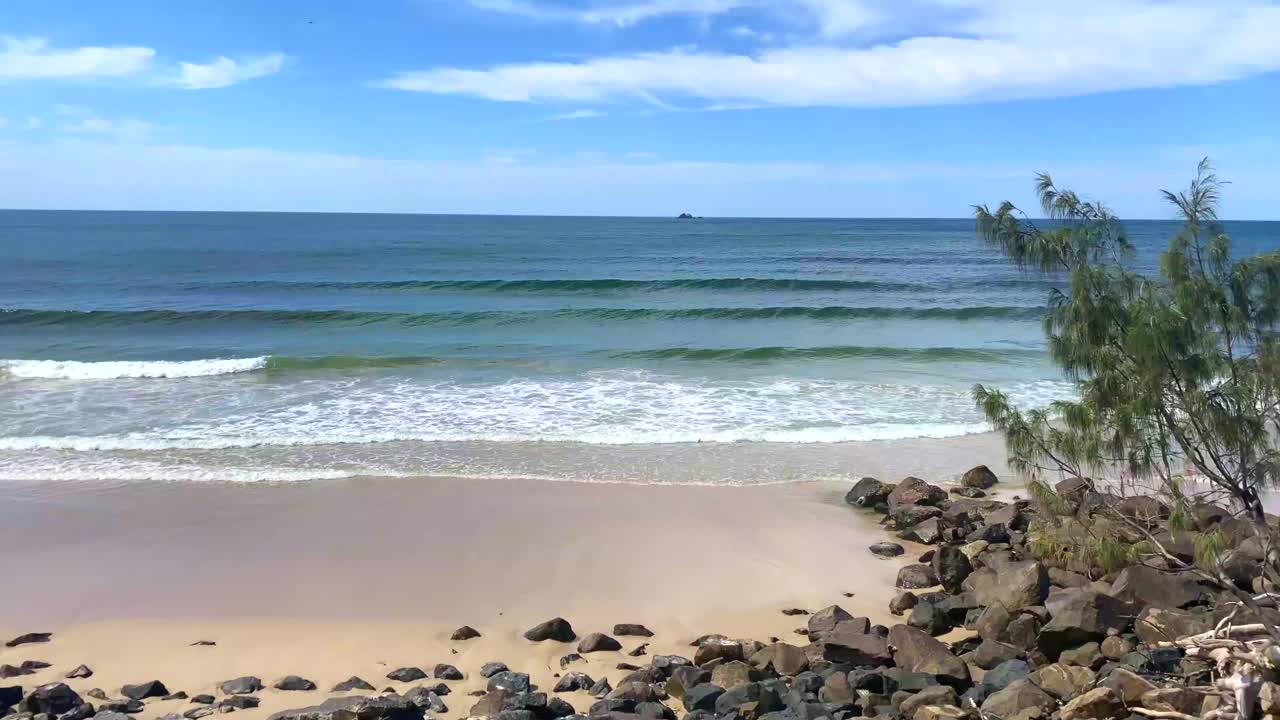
pixel 979 477
pixel 784 659
pixel 887 549
pixel 28 638
pixel 466 632
pixel 1097 704
pixel 1127 685
pixel 1004 674
pixel 907 516
pixel 426 699
pixel 601 689
pixel 352 683
pixel 1087 655
pixel 933 695
pixel 53 698
pixel 598 642
pixel 868 492
pixel 951 566
pixel 826 619
pixel 1019 695
pixel 10 696
pixel 1159 624
pixel 444 671
pixel 245 685
pixel 1147 586
pixel 926 532
pixel 917 651
pixel 142 691
pixel 718 649
pixel 731 674
pixel 915 577
pixel 1063 681
pixel 1023 631
pixel 490 669
pixel 206 699
pixel 571 658
pixel 1180 699
pixel 573 681
pixel 406 674
pixel 914 491
pixel 1115 647
pixel 940 712
pixel 294 683
pixel 1013 585
pixel 1079 615
pixel 968 492
pixel 931 618
pixel 847 646
pixel 80 672
pixel 382 707
pixel 702 697
pixel 631 630
pixel 12 671
pixel 902 602
pixel 508 681
pixel 557 629
pixel 992 622
pixel 236 702
pixel 991 653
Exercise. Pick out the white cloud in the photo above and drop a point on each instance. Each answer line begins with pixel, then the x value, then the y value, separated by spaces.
pixel 83 121
pixel 223 71
pixel 34 123
pixel 34 59
pixel 989 49
pixel 579 114
pixel 621 14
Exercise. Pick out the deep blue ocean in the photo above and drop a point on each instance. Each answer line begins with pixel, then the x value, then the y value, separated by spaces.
pixel 294 346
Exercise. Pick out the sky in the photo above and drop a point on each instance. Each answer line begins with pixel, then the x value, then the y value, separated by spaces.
pixel 779 108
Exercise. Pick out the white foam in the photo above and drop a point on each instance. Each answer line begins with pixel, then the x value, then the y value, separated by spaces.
pixel 116 369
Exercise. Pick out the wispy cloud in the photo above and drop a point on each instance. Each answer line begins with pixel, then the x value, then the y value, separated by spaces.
pixel 35 59
pixel 83 121
pixel 621 14
pixel 223 71
pixel 579 115
pixel 34 123
pixel 1001 49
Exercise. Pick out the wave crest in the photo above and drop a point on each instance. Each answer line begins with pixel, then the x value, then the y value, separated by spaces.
pixel 118 369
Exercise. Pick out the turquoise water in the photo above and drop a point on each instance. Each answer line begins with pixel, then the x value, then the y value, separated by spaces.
pixel 293 346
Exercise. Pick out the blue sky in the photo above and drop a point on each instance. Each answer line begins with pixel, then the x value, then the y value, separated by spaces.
pixel 868 108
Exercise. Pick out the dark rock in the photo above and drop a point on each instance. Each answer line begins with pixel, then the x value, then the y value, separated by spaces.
pixel 601 688
pixel 1019 695
pixel 28 638
pixel 383 707
pixel 241 686
pixel 845 646
pixel 142 691
pixel 180 695
pixel 827 618
pixel 951 566
pixel 979 477
pixel 53 698
pixel 1128 686
pixel 685 677
pixel 34 665
pixel 1014 585
pixel 702 697
pixel 598 642
pixel 631 630
pixel 197 713
pixel 490 669
pixel 1159 624
pixel 445 671
pixel 1063 681
pixel 915 577
pixel 936 695
pixel 868 492
pixel 914 491
pixel 931 618
pixel 239 702
pixel 902 602
pixel 1097 704
pixel 81 671
pixel 793 612
pixel 1088 655
pixel 718 649
pixel 123 706
pixel 1004 674
pixel 640 651
pixel 407 674
pixel 917 651
pixel 909 516
pixel 557 629
pixel 887 549
pixel 107 715
pixel 294 683
pixel 571 658
pixel 574 681
pixel 513 682
pixel 10 696
pixel 1147 586
pixel 732 674
pixel 966 492
pixel 12 671
pixel 1080 615
pixel 83 711
pixel 1023 631
pixel 352 683
pixel 784 659
pixel 466 632
pixel 426 699
pixel 991 653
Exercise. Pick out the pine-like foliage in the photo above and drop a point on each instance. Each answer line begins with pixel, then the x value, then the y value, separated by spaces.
pixel 1178 374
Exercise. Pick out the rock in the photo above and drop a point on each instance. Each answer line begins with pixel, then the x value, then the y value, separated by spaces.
pixel 1023 631
pixel 935 695
pixel 640 650
pixel 28 638
pixel 967 492
pixel 490 669
pixel 925 532
pixel 124 706
pixel 512 682
pixel 571 658
pixel 940 712
pixel 34 665
pixel 1097 704
pixel 732 674
pixel 1063 681
pixel 917 651
pixel 10 696
pixel 1115 647
pixel 868 492
pixel 1147 586
pixel 81 671
pixel 557 629
pixel 902 602
pixel 53 698
pixel 827 618
pixel 383 707
pixel 1019 695
pixel 97 694
pixel 407 674
pixel 887 549
pixel 915 577
pixel 426 699
pixel 109 715
pixel 931 618
pixel 572 682
pixel 1088 655
pixel 142 691
pixel 239 702
pixel 1158 624
pixel 991 653
pixel 180 695
pixel 992 622
pixel 444 671
pixel 1080 615
pixel 601 688
pixel 598 642
pixel 12 671
pixel 631 630
pixel 909 516
pixel 846 646
pixel 1183 700
pixel 352 683
pixel 241 686
pixel 1127 685
pixel 197 713
pixel 914 491
pixel 979 477
pixel 1014 585
pixel 718 649
pixel 466 632
pixel 784 659
pixel 294 683
pixel 1066 578
pixel 702 697
pixel 951 566
pixel 1004 674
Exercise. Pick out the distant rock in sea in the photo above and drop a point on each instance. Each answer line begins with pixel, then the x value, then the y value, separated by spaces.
pixel 684 216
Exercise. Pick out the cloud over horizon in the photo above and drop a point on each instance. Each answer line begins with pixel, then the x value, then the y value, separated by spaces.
pixel 34 58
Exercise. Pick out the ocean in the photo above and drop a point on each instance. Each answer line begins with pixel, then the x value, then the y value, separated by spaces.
pixel 264 346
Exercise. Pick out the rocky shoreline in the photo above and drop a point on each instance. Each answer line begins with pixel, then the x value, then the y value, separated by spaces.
pixel 990 631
